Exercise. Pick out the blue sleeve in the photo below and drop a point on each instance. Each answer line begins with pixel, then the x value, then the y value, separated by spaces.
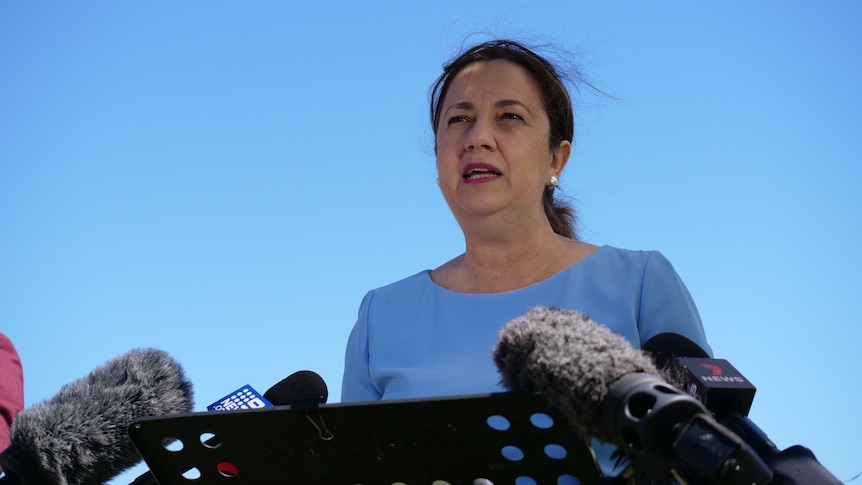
pixel 666 305
pixel 356 383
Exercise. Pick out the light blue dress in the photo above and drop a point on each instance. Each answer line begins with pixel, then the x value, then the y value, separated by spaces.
pixel 414 338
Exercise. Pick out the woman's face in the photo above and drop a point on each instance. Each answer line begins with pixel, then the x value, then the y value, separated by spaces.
pixel 493 155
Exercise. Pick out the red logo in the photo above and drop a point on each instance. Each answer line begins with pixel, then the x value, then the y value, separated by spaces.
pixel 716 370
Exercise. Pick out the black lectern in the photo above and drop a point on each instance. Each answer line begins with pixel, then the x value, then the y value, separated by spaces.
pixel 505 438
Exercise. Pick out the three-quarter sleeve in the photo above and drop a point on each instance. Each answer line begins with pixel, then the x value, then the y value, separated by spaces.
pixel 666 306
pixel 357 383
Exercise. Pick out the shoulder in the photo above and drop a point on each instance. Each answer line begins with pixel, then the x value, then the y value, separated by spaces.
pixel 406 285
pixel 619 259
pixel 627 254
pixel 397 294
pixel 664 304
pixel 646 273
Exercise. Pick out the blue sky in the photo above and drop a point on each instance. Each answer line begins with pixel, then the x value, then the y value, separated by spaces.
pixel 225 180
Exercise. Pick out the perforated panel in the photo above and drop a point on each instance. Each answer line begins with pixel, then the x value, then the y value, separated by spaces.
pixel 502 438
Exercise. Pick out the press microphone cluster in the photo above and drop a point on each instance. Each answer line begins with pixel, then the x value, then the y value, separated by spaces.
pixel 615 393
pixel 79 435
pixel 728 395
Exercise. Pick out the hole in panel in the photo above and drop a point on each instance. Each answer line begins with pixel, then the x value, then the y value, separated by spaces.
pixel 498 422
pixel 541 420
pixel 512 453
pixel 555 451
pixel 172 444
pixel 525 481
pixel 567 480
pixel 227 469
pixel 192 474
pixel 210 440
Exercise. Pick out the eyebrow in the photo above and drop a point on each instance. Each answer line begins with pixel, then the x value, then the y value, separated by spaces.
pixel 467 105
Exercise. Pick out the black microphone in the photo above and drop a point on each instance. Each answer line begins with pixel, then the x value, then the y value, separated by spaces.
pixel 728 395
pixel 725 392
pixel 714 382
pixel 613 392
pixel 79 435
pixel 302 389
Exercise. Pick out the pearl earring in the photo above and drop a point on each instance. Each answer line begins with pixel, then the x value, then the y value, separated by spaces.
pixel 553 181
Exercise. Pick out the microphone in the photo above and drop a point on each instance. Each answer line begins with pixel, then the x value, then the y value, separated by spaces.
pixel 613 392
pixel 728 395
pixel 725 392
pixel 714 382
pixel 79 435
pixel 571 360
pixel 302 389
pixel 298 388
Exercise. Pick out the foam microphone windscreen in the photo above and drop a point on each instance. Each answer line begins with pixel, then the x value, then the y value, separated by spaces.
pixel 571 359
pixel 80 435
pixel 304 385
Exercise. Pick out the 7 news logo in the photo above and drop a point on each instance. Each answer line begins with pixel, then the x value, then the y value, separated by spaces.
pixel 716 374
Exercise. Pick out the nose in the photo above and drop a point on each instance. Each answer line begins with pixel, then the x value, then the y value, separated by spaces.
pixel 480 135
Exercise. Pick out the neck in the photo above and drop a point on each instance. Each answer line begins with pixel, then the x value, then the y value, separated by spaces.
pixel 511 250
pixel 491 265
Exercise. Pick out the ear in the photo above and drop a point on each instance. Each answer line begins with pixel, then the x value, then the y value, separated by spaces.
pixel 560 157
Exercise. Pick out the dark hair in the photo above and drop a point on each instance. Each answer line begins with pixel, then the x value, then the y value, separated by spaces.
pixel 555 96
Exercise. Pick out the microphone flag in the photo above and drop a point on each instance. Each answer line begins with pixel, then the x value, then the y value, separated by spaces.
pixel 246 397
pixel 718 384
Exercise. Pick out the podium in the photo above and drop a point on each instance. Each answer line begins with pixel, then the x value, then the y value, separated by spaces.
pixel 503 438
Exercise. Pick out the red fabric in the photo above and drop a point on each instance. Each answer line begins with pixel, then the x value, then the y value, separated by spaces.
pixel 11 388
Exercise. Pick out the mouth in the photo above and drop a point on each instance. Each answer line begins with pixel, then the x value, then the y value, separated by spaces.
pixel 480 172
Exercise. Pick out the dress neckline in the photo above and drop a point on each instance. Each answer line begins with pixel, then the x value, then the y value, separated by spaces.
pixel 427 274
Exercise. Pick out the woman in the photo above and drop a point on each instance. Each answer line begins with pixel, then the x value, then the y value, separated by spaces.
pixel 503 125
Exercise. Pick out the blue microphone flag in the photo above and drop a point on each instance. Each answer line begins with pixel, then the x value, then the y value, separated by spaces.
pixel 243 398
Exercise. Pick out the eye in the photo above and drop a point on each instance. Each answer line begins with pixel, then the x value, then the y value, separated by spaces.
pixel 511 116
pixel 458 119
